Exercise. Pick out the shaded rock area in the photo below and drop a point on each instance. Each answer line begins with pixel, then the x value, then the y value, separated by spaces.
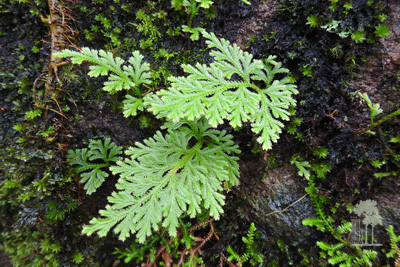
pixel 97 120
pixel 281 204
pixel 380 76
pixel 241 23
pixel 336 126
pixel 388 198
pixel 391 55
pixel 253 25
pixel 4 260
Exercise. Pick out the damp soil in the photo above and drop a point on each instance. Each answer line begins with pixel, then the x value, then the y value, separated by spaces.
pixel 271 193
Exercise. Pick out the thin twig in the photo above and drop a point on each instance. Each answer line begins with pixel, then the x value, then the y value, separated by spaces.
pixel 197 226
pixel 225 259
pixel 397 262
pixel 280 211
pixel 73 101
pixel 181 258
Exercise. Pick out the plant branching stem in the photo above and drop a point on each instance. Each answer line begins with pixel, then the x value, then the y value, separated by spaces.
pixel 373 125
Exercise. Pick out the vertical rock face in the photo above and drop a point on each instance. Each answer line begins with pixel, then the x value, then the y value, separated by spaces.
pixel 275 200
pixel 388 199
pixel 253 25
pixel 379 77
pixel 391 52
pixel 279 204
pixel 240 23
pixel 281 186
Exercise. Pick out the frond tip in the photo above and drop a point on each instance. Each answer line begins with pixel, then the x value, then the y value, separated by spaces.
pixel 234 87
pixel 84 161
pixel 120 76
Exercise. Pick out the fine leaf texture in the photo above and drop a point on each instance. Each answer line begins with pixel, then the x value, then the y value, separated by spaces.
pixel 104 63
pixel 84 159
pixel 166 177
pixel 105 150
pixel 132 105
pixel 234 87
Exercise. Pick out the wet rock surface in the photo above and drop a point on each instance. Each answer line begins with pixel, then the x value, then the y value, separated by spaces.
pixel 97 120
pixel 388 199
pixel 379 77
pixel 254 23
pixel 280 204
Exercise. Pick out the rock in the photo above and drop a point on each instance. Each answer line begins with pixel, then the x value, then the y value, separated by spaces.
pixel 374 75
pixel 279 204
pixel 388 200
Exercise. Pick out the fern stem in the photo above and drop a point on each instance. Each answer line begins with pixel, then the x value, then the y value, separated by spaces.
pixel 252 85
pixel 374 124
pixel 188 157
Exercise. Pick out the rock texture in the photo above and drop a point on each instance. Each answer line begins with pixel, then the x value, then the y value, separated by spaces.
pixel 380 76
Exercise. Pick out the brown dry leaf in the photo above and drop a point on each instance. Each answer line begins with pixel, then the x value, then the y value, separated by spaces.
pixel 167 259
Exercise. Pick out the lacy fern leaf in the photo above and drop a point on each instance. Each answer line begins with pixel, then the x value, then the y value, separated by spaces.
pixel 119 77
pixel 132 105
pixel 235 87
pixel 85 162
pixel 168 176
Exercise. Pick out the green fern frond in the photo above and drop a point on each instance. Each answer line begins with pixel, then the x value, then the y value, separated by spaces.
pixel 394 239
pixel 234 87
pixel 91 172
pixel 369 254
pixel 374 108
pixel 119 77
pixel 106 150
pixel 319 223
pixel 233 255
pixel 94 178
pixel 166 177
pixel 302 165
pixel 132 105
pixel 344 228
pixel 324 246
pixel 338 259
pixel 249 240
pixel 251 253
pixel 365 258
pixel 80 157
pixel 338 246
pixel 138 70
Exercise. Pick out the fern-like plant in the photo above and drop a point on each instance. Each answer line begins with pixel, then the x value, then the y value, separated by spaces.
pixel 168 176
pixel 184 172
pixel 342 253
pixel 375 109
pixel 394 251
pixel 235 87
pixel 90 163
pixel 120 77
pixel 250 255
